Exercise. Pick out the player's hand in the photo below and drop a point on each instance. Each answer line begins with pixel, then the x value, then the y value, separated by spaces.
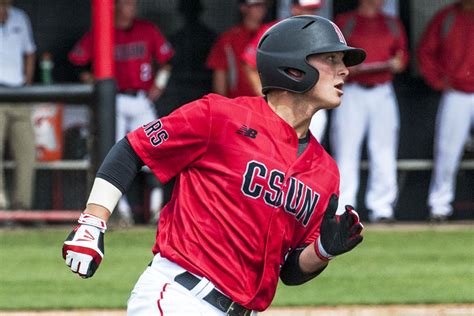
pixel 154 93
pixel 83 249
pixel 396 63
pixel 339 233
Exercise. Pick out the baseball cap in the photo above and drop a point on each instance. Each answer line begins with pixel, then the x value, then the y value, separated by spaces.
pixel 250 2
pixel 313 4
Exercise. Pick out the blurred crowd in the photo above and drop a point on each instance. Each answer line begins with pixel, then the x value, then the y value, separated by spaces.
pixel 155 75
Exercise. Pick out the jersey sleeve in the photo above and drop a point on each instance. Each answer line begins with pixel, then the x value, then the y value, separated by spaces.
pixel 29 46
pixel 217 57
pixel 174 142
pixel 163 51
pixel 428 52
pixel 401 42
pixel 249 55
pixel 81 54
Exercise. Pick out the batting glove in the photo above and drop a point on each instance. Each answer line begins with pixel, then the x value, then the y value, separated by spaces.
pixel 339 233
pixel 83 249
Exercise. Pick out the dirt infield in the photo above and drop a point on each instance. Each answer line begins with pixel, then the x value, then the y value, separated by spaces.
pixel 390 310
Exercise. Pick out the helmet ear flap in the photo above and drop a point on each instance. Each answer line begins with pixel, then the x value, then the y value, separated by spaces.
pixel 299 80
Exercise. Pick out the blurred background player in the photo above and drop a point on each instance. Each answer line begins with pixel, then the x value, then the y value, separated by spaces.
pixel 190 79
pixel 446 61
pixel 298 7
pixel 229 78
pixel 17 65
pixel 369 108
pixel 138 45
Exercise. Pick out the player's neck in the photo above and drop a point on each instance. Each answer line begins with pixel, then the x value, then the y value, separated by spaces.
pixel 251 24
pixel 292 111
pixel 122 23
pixel 367 10
pixel 467 5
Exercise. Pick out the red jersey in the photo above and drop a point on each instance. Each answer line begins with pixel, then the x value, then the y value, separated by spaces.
pixel 445 55
pixel 249 55
pixel 134 51
pixel 380 36
pixel 242 197
pixel 225 55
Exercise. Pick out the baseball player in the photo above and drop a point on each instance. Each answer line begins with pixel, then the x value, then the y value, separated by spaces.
pixel 138 44
pixel 370 102
pixel 229 78
pixel 446 62
pixel 255 196
pixel 17 68
pixel 248 57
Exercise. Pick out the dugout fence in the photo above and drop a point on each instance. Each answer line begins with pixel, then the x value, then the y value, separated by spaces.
pixel 100 97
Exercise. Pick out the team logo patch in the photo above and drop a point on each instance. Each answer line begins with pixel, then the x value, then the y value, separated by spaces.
pixel 247 131
pixel 339 33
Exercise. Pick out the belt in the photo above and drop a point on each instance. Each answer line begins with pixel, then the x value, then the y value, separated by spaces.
pixel 367 85
pixel 215 298
pixel 133 93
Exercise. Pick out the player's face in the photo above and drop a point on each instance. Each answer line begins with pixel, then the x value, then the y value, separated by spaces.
pixel 4 5
pixel 377 4
pixel 126 8
pixel 255 12
pixel 301 10
pixel 327 92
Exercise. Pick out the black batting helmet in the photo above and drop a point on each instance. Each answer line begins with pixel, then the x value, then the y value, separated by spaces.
pixel 287 44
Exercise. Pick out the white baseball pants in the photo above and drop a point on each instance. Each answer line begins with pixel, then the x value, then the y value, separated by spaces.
pixel 132 112
pixel 371 112
pixel 156 293
pixel 318 124
pixel 454 120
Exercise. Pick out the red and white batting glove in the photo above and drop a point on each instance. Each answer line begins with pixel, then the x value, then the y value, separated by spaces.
pixel 83 249
pixel 339 233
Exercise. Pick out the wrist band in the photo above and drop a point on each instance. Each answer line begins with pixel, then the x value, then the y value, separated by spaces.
pixel 320 251
pixel 105 194
pixel 161 79
pixel 89 219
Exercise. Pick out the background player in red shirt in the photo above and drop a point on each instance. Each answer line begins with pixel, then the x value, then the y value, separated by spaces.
pixel 256 194
pixel 138 46
pixel 248 57
pixel 446 60
pixel 229 78
pixel 370 103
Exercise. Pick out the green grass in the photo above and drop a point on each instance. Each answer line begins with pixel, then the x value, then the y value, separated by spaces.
pixel 427 265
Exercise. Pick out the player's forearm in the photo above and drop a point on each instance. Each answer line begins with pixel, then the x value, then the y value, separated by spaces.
pixel 98 211
pixel 254 79
pixel 219 82
pixel 309 260
pixel 29 68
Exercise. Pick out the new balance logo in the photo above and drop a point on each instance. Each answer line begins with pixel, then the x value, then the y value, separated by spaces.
pixel 247 131
pixel 86 237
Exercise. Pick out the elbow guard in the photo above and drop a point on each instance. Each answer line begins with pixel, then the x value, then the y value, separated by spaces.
pixel 291 273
